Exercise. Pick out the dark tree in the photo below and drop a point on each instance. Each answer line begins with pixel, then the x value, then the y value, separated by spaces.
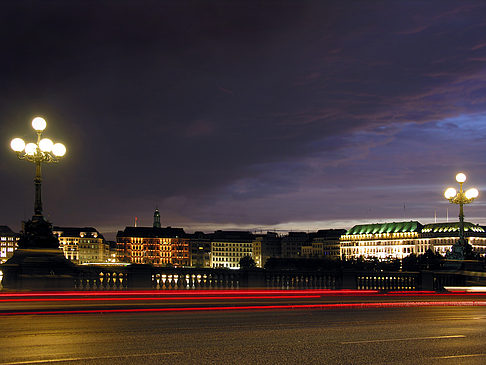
pixel 247 262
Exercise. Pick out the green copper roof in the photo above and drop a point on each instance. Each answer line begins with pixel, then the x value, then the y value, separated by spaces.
pixel 395 227
pixel 451 227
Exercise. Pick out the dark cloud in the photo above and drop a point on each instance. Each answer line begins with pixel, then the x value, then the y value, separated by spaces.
pixel 246 113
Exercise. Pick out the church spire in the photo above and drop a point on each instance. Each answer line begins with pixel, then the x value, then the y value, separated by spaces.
pixel 156 218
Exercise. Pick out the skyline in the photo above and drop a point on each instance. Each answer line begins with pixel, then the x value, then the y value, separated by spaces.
pixel 245 115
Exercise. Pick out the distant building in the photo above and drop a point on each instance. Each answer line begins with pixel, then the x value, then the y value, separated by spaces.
pixel 82 245
pixel 325 243
pixel 200 249
pixel 153 245
pixel 441 236
pixel 228 247
pixel 398 240
pixel 292 244
pixel 112 251
pixel 8 243
pixel 266 246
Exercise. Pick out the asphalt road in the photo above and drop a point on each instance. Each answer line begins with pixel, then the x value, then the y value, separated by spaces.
pixel 404 335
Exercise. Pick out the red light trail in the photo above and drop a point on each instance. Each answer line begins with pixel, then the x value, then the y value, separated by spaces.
pixel 85 302
pixel 158 298
pixel 259 307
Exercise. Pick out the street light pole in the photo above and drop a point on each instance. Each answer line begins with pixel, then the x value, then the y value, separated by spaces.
pixel 461 216
pixel 462 197
pixel 38 192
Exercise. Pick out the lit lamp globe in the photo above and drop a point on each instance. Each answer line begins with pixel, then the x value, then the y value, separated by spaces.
pixel 472 193
pixel 46 145
pixel 450 193
pixel 460 178
pixel 17 144
pixel 59 150
pixel 31 149
pixel 39 124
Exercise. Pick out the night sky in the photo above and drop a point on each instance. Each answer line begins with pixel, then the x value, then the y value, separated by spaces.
pixel 244 114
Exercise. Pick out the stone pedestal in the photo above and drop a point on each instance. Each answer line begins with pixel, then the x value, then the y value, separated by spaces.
pixel 38 263
pixel 38 269
pixel 426 280
pixel 252 279
pixel 140 276
pixel 349 280
pixel 457 256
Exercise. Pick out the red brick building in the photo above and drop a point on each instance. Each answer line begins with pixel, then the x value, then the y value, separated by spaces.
pixel 153 245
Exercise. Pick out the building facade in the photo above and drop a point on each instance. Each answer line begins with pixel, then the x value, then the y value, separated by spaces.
pixel 8 243
pixel 228 247
pixel 83 245
pixel 325 243
pixel 398 240
pixel 266 246
pixel 200 250
pixel 153 245
pixel 292 244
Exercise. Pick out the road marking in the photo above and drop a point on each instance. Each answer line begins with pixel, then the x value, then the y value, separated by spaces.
pixel 47 361
pixel 459 356
pixel 402 339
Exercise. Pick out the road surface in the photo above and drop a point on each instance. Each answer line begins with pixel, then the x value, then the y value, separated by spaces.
pixel 404 334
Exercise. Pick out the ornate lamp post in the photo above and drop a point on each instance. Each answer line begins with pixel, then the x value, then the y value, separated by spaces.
pixel 461 197
pixel 38 263
pixel 43 151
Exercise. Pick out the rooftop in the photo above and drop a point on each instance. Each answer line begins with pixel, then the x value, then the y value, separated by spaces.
pixel 152 232
pixel 76 232
pixel 394 227
pixel 451 227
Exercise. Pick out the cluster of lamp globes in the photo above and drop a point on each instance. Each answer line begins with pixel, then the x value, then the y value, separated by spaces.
pixel 469 194
pixel 42 148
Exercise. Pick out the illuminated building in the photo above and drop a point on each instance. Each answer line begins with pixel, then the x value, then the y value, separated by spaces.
pixel 228 247
pixel 398 240
pixel 82 245
pixel 256 252
pixel 180 251
pixel 8 243
pixel 153 245
pixel 324 244
pixel 441 236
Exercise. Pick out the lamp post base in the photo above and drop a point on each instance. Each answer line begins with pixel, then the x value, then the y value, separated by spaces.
pixel 457 252
pixel 38 269
pixel 461 257
pixel 37 234
pixel 38 263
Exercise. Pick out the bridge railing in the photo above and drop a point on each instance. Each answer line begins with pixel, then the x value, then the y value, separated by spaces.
pixel 389 281
pixel 302 280
pixel 145 276
pixel 149 277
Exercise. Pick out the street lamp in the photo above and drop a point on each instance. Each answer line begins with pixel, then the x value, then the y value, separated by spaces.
pixel 462 197
pixel 44 150
pixel 38 263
